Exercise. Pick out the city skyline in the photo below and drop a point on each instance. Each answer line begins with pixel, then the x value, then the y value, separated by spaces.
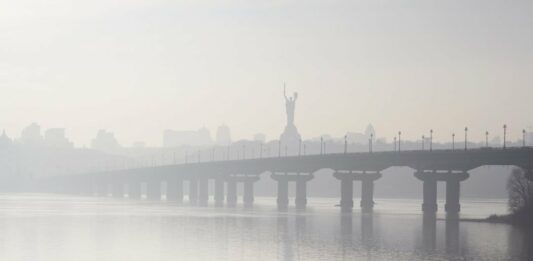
pixel 94 70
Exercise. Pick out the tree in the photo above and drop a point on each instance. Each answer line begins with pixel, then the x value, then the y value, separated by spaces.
pixel 520 190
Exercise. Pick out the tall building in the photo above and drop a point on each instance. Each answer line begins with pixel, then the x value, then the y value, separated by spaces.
pixel 4 140
pixel 223 137
pixel 55 137
pixel 104 141
pixel 173 138
pixel 31 135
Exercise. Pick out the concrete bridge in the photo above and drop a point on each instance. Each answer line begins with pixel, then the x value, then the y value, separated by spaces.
pixel 430 167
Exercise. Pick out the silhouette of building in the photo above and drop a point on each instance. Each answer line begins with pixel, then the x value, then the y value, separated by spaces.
pixel 31 135
pixel 104 141
pixel 4 140
pixel 223 137
pixel 201 137
pixel 55 137
pixel 260 137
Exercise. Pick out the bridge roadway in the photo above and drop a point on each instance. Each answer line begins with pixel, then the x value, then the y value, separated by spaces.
pixel 450 166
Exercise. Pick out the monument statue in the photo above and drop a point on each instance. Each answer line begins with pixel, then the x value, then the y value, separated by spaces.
pixel 289 105
pixel 290 136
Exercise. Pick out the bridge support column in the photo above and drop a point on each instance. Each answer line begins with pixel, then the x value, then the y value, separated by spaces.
pixel 453 189
pixel 452 179
pixel 134 190
pixel 232 192
pixel 248 196
pixel 219 192
pixel 346 195
pixel 367 191
pixel 193 191
pixel 175 190
pixel 283 191
pixel 301 191
pixel 153 190
pixel 203 195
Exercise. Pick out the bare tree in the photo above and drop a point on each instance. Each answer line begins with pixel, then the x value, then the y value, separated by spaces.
pixel 520 196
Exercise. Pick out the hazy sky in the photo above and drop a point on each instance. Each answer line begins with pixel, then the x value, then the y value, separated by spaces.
pixel 137 67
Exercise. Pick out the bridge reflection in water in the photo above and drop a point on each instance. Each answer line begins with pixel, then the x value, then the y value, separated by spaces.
pixel 431 167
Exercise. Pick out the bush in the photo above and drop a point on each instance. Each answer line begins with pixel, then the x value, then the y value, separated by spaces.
pixel 520 190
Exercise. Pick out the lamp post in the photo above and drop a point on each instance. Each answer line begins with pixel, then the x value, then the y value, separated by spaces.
pixel 399 141
pixel 431 140
pixel 504 135
pixel 299 147
pixel 466 138
pixel 423 141
pixel 371 141
pixel 345 144
pixel 321 145
pixel 523 137
pixel 486 139
pixel 453 141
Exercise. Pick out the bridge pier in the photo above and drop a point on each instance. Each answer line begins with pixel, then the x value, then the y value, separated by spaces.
pixel 203 194
pixel 193 191
pixel 232 192
pixel 283 189
pixel 453 188
pixel 219 192
pixel 134 190
pixel 175 190
pixel 153 190
pixel 367 189
pixel 248 193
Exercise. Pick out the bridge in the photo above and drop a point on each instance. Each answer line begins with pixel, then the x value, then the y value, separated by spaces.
pixel 430 167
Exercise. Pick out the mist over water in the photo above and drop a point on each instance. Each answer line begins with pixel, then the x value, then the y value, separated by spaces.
pixel 52 227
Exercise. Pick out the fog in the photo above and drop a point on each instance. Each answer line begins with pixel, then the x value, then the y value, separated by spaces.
pixel 277 130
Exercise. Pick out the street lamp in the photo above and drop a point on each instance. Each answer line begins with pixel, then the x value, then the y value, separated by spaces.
pixel 431 140
pixel 345 144
pixel 523 137
pixel 504 135
pixel 371 140
pixel 399 141
pixel 300 147
pixel 466 137
pixel 321 145
pixel 486 139
pixel 453 141
pixel 423 141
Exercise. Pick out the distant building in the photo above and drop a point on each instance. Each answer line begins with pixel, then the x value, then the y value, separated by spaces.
pixel 56 138
pixel 260 137
pixel 201 137
pixel 104 141
pixel 5 140
pixel 31 135
pixel 223 135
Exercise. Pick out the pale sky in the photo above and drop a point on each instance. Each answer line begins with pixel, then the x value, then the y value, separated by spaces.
pixel 137 67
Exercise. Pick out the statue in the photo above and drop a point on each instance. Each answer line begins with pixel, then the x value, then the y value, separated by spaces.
pixel 289 105
pixel 290 136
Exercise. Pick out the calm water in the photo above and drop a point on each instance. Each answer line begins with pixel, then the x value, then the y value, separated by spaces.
pixel 51 227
